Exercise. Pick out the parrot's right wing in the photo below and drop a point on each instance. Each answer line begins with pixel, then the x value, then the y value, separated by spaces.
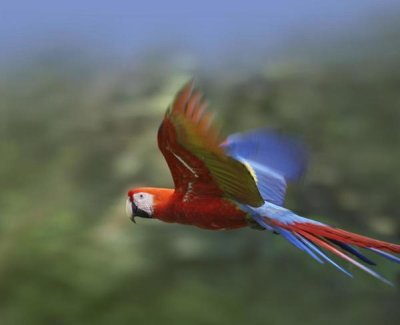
pixel 198 164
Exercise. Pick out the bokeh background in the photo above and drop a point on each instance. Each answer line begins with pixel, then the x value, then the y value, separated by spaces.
pixel 83 88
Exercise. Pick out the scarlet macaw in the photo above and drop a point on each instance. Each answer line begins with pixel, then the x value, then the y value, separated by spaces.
pixel 240 182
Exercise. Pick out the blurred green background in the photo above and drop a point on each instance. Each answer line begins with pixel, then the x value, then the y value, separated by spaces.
pixel 78 129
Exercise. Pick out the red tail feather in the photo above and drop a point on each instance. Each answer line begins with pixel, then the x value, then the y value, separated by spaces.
pixel 310 236
pixel 344 236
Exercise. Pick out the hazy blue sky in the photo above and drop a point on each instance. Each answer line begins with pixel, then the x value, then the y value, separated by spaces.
pixel 126 26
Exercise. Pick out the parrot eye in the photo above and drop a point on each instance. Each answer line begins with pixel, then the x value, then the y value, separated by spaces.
pixel 140 197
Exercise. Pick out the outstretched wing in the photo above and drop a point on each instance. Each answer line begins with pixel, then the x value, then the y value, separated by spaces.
pixel 274 158
pixel 191 147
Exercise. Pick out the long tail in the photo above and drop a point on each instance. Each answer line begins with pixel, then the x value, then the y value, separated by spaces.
pixel 312 236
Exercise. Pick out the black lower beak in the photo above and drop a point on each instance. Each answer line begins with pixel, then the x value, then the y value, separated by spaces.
pixel 136 212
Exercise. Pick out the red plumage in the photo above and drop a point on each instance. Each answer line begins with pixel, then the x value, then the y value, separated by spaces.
pixel 205 211
pixel 343 236
pixel 226 185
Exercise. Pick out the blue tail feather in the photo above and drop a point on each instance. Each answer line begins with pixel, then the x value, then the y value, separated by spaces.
pixel 298 243
pixel 385 254
pixel 317 250
pixel 309 235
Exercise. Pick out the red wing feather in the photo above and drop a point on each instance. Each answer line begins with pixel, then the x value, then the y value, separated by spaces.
pixel 185 167
pixel 190 144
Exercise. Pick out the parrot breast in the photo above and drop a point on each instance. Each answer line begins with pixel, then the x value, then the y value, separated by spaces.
pixel 208 212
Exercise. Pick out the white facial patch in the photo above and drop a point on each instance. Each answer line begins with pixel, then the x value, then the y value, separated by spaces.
pixel 144 201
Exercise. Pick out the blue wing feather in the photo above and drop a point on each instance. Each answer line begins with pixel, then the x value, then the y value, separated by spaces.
pixel 273 157
pixel 283 154
pixel 271 185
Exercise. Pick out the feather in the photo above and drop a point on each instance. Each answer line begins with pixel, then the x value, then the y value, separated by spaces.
pixel 291 237
pixel 315 235
pixel 385 254
pixel 272 185
pixel 190 144
pixel 324 244
pixel 317 250
pixel 282 154
pixel 272 158
pixel 353 251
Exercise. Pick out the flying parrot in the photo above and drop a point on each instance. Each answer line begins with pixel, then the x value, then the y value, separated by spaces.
pixel 240 182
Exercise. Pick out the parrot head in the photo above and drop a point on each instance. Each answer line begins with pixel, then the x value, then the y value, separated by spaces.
pixel 147 202
pixel 140 203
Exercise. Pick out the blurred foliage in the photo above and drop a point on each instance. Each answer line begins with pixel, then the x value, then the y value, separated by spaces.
pixel 74 136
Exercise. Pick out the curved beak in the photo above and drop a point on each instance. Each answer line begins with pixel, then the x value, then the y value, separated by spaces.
pixel 133 211
pixel 130 208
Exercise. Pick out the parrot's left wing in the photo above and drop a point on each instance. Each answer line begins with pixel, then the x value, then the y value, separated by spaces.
pixel 274 158
pixel 191 147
